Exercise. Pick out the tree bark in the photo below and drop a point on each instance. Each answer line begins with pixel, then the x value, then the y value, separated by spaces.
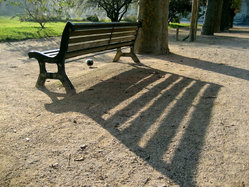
pixel 227 15
pixel 217 22
pixel 153 36
pixel 194 20
pixel 209 20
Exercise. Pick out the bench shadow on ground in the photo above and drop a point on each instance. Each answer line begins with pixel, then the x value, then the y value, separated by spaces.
pixel 160 116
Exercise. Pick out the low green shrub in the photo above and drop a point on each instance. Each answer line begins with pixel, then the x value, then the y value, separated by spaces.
pixel 93 18
pixel 130 18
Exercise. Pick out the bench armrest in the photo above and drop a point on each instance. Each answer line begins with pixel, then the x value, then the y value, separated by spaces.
pixel 45 57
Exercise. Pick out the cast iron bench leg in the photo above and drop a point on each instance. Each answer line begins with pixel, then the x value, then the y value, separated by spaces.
pixel 118 55
pixel 134 56
pixel 64 78
pixel 42 76
pixel 130 54
pixel 60 75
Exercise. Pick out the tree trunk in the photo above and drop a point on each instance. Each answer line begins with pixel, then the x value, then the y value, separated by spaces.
pixel 217 22
pixel 209 20
pixel 194 20
pixel 227 15
pixel 153 36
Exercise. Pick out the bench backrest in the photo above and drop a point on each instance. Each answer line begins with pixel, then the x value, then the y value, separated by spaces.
pixel 83 38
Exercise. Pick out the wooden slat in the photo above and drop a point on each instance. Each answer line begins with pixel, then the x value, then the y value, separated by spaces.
pixel 87 45
pixel 101 31
pixel 52 54
pixel 50 51
pixel 123 39
pixel 89 38
pixel 123 34
pixel 101 25
pixel 99 37
pixel 99 43
pixel 97 49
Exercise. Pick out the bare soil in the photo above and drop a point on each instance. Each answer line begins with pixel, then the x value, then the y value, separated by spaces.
pixel 177 120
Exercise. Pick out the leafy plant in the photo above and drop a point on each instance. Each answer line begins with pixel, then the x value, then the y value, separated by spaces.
pixel 130 18
pixel 42 11
pixel 178 9
pixel 93 18
pixel 236 4
pixel 115 9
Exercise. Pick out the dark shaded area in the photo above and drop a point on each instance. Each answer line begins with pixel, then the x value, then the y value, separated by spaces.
pixel 209 66
pixel 234 30
pixel 181 93
pixel 227 15
pixel 226 40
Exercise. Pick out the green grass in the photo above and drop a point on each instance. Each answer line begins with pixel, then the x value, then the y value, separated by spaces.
pixel 13 29
pixel 175 25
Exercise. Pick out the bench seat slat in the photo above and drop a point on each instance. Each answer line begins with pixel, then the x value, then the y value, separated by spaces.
pixel 97 49
pixel 101 31
pixel 52 54
pixel 51 51
pixel 99 43
pixel 102 25
pixel 98 37
pixel 88 38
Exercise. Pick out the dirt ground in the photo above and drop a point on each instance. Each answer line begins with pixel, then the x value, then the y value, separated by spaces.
pixel 177 120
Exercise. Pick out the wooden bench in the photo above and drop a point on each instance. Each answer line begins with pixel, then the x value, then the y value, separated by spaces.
pixel 84 38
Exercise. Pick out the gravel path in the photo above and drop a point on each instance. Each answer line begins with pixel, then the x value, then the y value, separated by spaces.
pixel 178 120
